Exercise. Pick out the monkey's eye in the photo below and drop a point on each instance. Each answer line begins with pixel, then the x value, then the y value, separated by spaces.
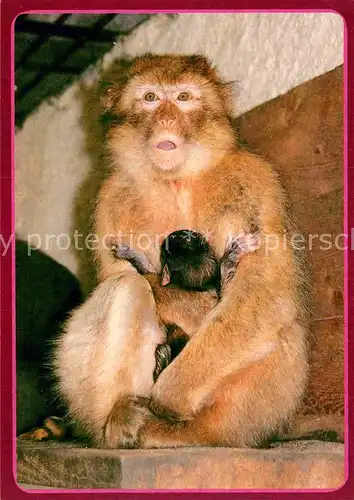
pixel 184 96
pixel 150 97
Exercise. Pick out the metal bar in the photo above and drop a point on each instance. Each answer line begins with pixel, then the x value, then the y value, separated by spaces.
pixel 42 67
pixel 39 42
pixel 96 30
pixel 65 31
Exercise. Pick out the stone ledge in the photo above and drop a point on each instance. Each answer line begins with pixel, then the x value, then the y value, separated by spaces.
pixel 296 464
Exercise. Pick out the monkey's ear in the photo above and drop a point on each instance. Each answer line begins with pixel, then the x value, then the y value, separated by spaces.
pixel 228 91
pixel 107 98
pixel 166 276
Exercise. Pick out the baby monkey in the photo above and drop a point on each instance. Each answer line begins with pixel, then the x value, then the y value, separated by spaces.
pixel 189 262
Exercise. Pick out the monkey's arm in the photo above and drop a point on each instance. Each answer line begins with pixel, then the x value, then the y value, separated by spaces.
pixel 112 221
pixel 229 340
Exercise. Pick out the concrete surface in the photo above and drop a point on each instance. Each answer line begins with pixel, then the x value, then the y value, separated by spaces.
pixel 296 464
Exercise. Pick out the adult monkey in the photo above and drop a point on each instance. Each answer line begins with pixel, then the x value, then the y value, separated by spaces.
pixel 176 165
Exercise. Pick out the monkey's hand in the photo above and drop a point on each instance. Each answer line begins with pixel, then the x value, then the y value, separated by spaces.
pixel 241 244
pixel 137 259
pixel 238 245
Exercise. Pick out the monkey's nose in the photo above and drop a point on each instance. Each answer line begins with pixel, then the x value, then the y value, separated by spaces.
pixel 166 145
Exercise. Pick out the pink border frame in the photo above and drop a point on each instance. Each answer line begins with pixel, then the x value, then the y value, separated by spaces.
pixel 8 182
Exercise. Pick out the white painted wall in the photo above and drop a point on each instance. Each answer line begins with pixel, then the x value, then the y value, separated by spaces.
pixel 267 54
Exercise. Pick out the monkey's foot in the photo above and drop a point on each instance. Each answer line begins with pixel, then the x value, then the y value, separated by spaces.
pixel 125 421
pixel 37 434
pixel 53 428
pixel 163 358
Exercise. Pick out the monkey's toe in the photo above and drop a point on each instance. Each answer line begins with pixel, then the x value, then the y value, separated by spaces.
pixel 53 428
pixel 37 434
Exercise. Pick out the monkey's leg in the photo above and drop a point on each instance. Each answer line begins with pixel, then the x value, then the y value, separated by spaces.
pixel 210 428
pixel 105 354
pixel 238 412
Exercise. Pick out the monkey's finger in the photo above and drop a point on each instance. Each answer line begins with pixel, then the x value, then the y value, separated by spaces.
pixel 250 243
pixel 120 251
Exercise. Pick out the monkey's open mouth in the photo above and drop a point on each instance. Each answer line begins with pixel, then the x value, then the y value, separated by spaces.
pixel 166 151
pixel 166 145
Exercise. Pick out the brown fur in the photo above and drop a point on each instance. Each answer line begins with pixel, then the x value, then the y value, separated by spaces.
pixel 243 373
pixel 105 394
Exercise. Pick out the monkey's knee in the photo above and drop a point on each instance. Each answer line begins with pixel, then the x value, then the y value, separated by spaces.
pixel 124 422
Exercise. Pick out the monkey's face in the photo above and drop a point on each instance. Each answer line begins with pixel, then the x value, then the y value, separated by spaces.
pixel 174 114
pixel 169 114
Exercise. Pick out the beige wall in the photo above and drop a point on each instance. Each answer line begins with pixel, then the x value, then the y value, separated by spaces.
pixel 58 163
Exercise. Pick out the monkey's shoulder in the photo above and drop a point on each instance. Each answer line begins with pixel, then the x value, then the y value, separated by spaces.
pixel 117 187
pixel 241 175
pixel 248 168
pixel 119 207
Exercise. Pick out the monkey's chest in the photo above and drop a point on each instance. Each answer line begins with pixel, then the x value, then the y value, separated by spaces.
pixel 170 212
pixel 182 210
pixel 175 212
